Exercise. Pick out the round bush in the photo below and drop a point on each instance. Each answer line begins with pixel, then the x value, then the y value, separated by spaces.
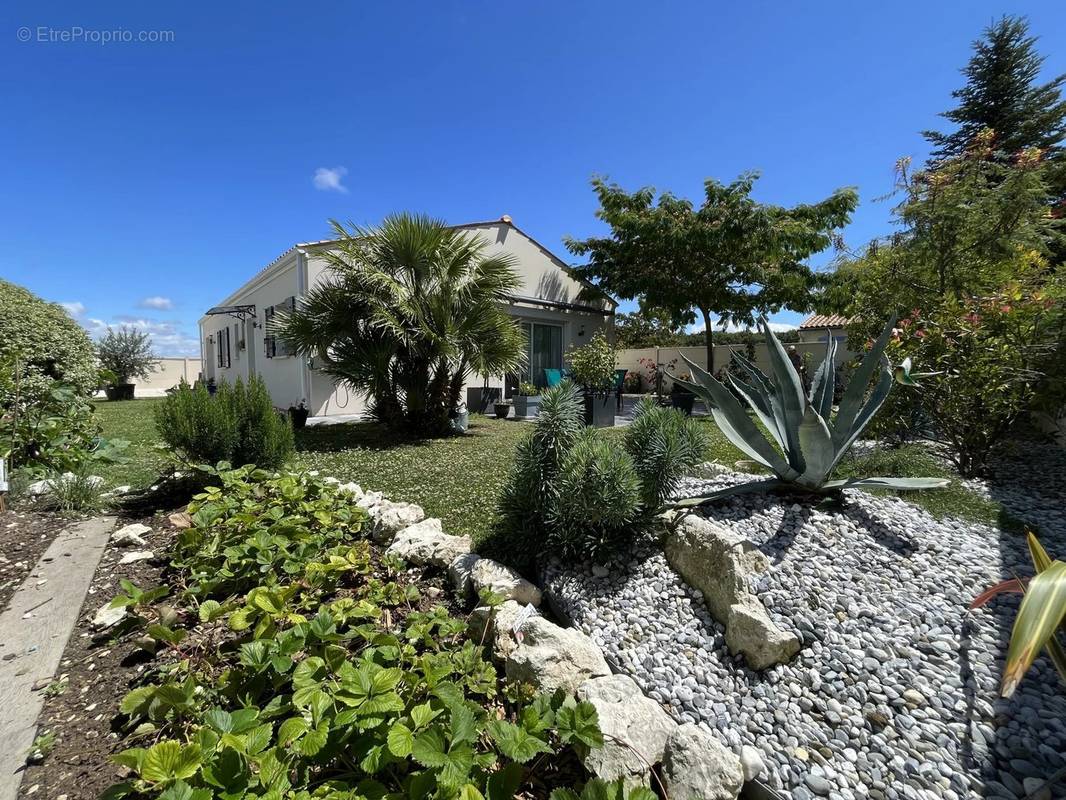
pixel 50 346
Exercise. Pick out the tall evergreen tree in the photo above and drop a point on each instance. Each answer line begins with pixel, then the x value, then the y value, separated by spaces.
pixel 1002 94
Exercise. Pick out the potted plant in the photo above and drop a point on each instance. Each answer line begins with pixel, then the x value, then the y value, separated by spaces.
pixel 592 367
pixel 298 415
pixel 527 401
pixel 126 354
pixel 681 397
pixel 212 386
pixel 502 408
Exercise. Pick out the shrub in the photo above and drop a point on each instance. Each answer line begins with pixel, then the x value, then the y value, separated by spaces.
pixel 985 356
pixel 592 365
pixel 582 495
pixel 597 500
pixel 50 432
pixel 50 346
pixel 238 425
pixel 126 354
pixel 665 445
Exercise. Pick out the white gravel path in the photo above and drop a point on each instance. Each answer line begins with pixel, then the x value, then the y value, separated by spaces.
pixel 894 692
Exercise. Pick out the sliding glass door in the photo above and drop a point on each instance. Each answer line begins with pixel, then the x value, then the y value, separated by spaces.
pixel 544 350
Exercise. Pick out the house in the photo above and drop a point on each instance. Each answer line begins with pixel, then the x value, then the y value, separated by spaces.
pixel 236 343
pixel 818 327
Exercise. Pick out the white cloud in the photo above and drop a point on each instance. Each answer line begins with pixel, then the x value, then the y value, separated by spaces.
pixel 157 302
pixel 168 338
pixel 328 179
pixel 74 308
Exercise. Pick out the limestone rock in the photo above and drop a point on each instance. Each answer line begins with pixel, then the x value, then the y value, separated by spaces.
pixel 550 657
pixel 489 574
pixel 425 543
pixel 635 729
pixel 495 626
pixel 459 571
pixel 722 565
pixel 696 766
pixel 390 518
pixel 135 555
pixel 751 762
pixel 107 616
pixel 130 535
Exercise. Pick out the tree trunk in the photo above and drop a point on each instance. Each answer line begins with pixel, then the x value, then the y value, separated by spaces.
pixel 709 338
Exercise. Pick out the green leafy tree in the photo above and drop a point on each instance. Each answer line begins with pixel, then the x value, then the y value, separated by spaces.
pixel 127 353
pixel 1003 94
pixel 646 328
pixel 50 347
pixel 732 257
pixel 410 309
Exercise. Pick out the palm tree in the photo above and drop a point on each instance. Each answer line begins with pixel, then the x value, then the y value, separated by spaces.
pixel 409 309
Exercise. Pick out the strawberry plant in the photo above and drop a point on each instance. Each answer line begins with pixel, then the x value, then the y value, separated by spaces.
pixel 313 668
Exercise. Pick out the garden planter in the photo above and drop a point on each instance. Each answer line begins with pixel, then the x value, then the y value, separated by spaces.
pixel 479 398
pixel 683 401
pixel 299 417
pixel 120 391
pixel 502 410
pixel 526 407
pixel 600 410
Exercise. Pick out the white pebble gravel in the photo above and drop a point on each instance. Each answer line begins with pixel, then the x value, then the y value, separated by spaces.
pixel 894 693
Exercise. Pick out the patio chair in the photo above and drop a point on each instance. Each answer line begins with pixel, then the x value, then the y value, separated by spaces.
pixel 553 377
pixel 619 384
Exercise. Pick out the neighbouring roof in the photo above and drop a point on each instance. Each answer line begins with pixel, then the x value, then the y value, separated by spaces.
pixel 824 321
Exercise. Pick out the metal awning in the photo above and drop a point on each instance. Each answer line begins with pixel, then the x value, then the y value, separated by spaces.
pixel 239 312
pixel 544 302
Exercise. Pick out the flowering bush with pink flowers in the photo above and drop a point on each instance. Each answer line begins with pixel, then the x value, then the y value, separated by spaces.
pixel 988 356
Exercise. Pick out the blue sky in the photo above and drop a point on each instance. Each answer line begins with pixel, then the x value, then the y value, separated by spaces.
pixel 142 182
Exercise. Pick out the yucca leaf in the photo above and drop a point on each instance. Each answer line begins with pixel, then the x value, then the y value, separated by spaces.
pixel 1010 586
pixel 851 402
pixel 751 487
pixel 734 422
pixel 1041 560
pixel 1039 617
pixel 823 385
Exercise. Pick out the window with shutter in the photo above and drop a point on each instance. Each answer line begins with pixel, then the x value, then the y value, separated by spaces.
pixel 270 340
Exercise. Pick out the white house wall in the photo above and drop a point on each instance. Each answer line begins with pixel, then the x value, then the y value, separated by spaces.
pixel 282 375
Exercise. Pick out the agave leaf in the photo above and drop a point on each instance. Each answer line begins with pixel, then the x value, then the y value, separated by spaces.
pixel 751 487
pixel 1041 560
pixel 824 382
pixel 1058 656
pixel 735 423
pixel 788 400
pixel 877 399
pixel 761 405
pixel 851 402
pixel 1040 615
pixel 887 483
pixel 817 446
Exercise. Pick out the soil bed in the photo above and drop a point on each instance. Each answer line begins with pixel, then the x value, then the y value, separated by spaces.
pixel 100 669
pixel 24 536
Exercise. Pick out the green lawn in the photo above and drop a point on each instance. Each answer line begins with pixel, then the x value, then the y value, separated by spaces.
pixel 459 479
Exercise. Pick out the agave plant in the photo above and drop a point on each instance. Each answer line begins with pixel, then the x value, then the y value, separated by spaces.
pixel 808 441
pixel 1040 617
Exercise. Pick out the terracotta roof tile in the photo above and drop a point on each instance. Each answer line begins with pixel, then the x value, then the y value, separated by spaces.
pixel 824 321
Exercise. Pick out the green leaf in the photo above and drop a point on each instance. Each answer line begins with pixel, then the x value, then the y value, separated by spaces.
pixel 503 784
pixel 136 702
pixel 219 719
pixel 428 748
pixel 423 714
pixel 462 726
pixel 400 740
pixel 291 729
pixel 1042 611
pixel 515 742
pixel 209 610
pixel 313 741
pixel 579 723
pixel 168 761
